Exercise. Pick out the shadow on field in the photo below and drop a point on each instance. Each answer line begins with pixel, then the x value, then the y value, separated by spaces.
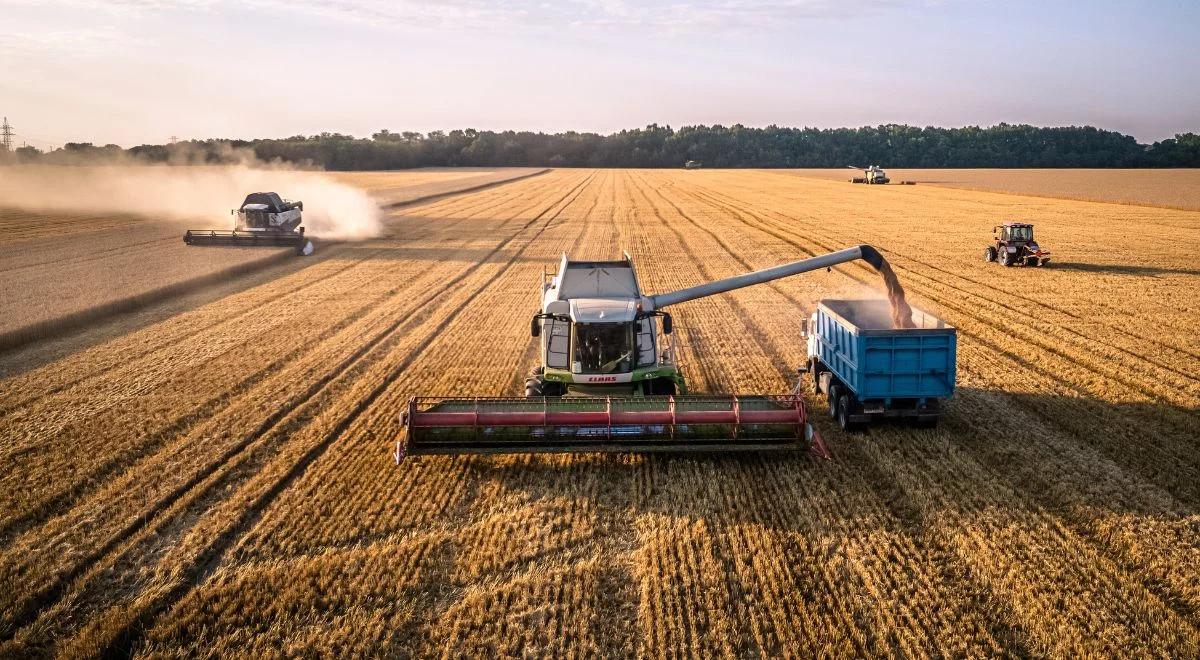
pixel 1053 450
pixel 32 347
pixel 1155 442
pixel 1123 269
pixel 380 250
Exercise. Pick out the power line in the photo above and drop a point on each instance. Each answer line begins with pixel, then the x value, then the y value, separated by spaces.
pixel 6 135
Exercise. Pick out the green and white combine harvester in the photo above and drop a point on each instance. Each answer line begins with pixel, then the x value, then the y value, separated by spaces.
pixel 609 380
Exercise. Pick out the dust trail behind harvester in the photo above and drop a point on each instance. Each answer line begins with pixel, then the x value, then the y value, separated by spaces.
pixel 196 194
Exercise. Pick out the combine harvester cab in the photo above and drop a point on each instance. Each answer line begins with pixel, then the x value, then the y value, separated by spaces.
pixel 870 369
pixel 263 220
pixel 609 382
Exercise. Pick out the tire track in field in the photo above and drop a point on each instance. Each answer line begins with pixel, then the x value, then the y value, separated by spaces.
pixel 1179 373
pixel 500 373
pixel 1099 321
pixel 126 638
pixel 1123 330
pixel 158 343
pixel 54 590
pixel 143 349
pixel 1080 483
pixel 177 498
pixel 426 230
pixel 904 516
pixel 426 199
pixel 1174 454
pixel 1130 566
pixel 530 358
pixel 89 256
pixel 1032 334
pixel 750 329
pixel 991 346
pixel 182 422
pixel 472 203
pixel 81 485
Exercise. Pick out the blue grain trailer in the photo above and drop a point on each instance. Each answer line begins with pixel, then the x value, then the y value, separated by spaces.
pixel 868 369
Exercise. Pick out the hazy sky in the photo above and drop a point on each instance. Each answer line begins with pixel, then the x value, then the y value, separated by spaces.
pixel 139 71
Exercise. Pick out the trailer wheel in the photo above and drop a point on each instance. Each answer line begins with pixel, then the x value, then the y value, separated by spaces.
pixel 843 414
pixel 832 394
pixel 989 254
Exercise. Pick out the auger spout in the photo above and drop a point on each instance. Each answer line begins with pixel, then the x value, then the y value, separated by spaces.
pixel 864 252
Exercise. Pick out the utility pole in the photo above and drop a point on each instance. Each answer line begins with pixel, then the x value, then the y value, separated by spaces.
pixel 174 139
pixel 6 135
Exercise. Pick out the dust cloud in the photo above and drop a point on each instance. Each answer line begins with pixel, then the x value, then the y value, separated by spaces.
pixel 198 196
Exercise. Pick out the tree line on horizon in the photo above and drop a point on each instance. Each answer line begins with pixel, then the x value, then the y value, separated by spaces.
pixel 901 146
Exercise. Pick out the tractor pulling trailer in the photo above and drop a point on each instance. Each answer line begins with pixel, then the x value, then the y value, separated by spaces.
pixel 608 380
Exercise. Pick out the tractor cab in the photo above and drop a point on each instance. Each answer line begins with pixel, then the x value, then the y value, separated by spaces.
pixel 1014 232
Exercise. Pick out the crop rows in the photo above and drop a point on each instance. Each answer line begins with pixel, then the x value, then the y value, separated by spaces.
pixel 179 490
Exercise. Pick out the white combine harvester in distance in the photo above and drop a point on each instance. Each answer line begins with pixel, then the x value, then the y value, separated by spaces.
pixel 263 220
pixel 874 175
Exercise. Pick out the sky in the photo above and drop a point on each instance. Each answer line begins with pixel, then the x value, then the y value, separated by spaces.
pixel 140 71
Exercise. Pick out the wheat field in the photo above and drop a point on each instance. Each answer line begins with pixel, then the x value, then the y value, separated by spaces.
pixel 175 490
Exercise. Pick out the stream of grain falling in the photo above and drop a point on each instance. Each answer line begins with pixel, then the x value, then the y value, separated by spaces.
pixel 901 312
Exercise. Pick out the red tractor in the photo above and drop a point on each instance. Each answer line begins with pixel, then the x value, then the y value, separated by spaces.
pixel 1014 245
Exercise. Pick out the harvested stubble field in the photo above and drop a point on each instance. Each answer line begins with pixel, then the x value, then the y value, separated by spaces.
pixel 179 491
pixel 65 268
pixel 406 186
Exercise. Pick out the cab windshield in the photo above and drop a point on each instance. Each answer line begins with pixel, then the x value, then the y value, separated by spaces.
pixel 1020 233
pixel 602 348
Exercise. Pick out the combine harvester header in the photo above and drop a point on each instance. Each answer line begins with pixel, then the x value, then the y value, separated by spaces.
pixel 263 220
pixel 609 382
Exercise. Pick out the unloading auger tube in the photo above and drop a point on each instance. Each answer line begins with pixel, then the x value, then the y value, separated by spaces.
pixel 650 423
pixel 864 252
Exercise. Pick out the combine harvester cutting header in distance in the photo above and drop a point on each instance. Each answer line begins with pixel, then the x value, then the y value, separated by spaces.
pixel 609 381
pixel 263 220
pixel 874 175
